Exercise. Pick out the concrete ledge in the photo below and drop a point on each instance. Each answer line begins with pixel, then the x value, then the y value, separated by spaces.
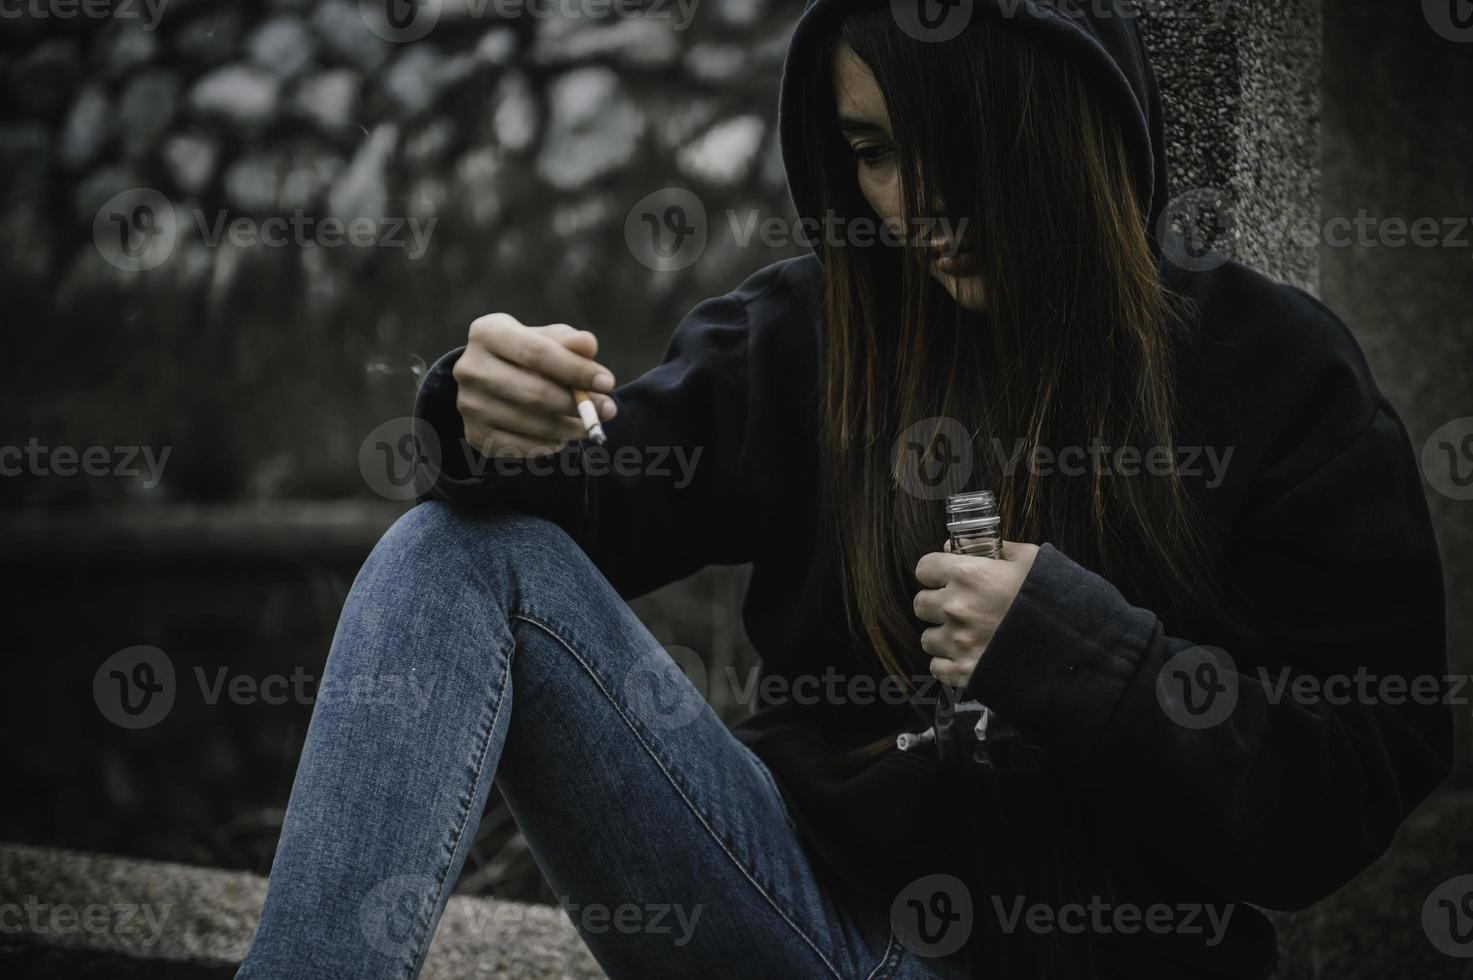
pixel 197 922
pixel 180 532
pixel 184 921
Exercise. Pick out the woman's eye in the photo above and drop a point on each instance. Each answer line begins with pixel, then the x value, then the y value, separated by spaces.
pixel 872 154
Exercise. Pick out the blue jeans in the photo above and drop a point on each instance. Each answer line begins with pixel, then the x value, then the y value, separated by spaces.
pixel 481 646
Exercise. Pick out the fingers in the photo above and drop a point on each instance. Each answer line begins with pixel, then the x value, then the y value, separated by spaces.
pixel 949 672
pixel 935 569
pixel 929 604
pixel 495 413
pixel 514 385
pixel 541 351
pixel 505 381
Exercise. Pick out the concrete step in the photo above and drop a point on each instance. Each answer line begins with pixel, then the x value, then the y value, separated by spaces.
pixel 191 922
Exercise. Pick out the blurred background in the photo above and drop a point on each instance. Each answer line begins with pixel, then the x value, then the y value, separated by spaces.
pixel 234 234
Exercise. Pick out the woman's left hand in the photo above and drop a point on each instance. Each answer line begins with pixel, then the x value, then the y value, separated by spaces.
pixel 966 596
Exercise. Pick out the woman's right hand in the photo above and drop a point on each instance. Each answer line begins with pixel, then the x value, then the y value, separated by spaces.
pixel 515 382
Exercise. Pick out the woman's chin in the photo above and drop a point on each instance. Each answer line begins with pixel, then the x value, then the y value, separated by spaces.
pixel 968 291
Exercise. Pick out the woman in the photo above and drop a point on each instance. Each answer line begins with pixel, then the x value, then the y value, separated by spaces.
pixel 1205 497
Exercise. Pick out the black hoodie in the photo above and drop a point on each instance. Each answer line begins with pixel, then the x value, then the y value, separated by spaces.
pixel 1314 498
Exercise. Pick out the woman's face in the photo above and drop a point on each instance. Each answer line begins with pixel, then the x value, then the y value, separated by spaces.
pixel 865 124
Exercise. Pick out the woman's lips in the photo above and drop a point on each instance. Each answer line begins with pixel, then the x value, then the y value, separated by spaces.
pixel 952 262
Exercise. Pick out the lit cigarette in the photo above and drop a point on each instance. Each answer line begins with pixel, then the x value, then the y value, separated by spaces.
pixel 588 412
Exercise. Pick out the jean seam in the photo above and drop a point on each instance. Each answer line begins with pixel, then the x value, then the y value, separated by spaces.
pixel 695 811
pixel 889 958
pixel 422 949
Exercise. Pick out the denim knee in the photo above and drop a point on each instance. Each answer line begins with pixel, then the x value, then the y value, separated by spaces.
pixel 508 554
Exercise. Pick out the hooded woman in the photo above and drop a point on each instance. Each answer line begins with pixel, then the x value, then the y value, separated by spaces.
pixel 1214 525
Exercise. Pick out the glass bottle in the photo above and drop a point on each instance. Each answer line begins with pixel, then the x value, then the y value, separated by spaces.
pixel 973 523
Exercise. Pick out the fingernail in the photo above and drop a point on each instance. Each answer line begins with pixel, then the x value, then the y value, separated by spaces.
pixel 607 409
pixel 603 381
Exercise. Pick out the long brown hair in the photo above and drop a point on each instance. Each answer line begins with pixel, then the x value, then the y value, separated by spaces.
pixel 1076 344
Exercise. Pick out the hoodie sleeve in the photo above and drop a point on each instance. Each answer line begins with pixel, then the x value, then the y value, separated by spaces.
pixel 1234 770
pixel 663 497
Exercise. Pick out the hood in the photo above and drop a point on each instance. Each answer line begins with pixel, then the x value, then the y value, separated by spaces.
pixel 1101 36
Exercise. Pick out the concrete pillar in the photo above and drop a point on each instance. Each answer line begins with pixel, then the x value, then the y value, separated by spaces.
pixel 1241 87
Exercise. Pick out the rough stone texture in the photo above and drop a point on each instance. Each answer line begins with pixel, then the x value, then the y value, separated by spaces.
pixel 205 917
pixel 1241 92
pixel 1398 141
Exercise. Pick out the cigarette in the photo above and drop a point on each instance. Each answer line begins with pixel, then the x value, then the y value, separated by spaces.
pixel 588 412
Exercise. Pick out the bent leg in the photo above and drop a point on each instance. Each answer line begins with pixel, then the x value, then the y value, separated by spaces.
pixel 476 646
